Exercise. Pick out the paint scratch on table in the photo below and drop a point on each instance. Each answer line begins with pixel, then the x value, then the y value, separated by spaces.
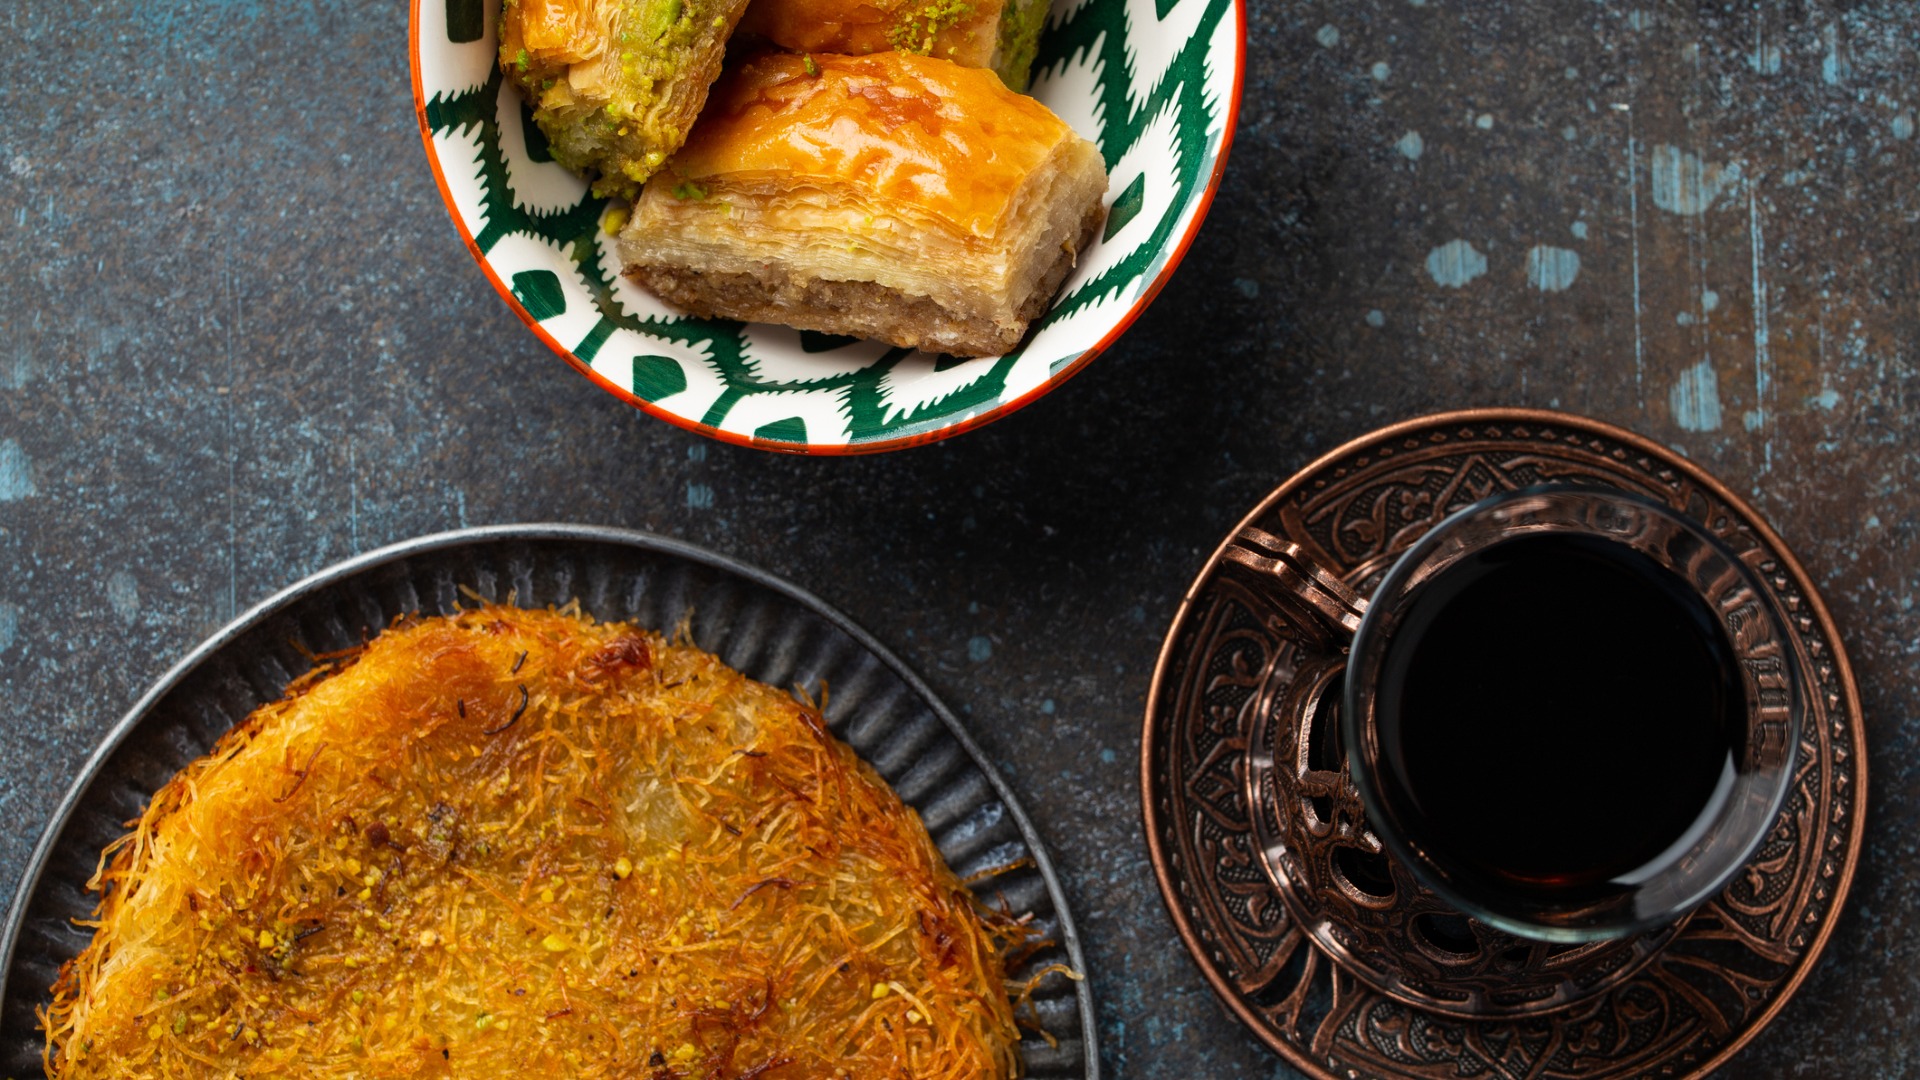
pixel 1695 398
pixel 1834 67
pixel 1762 355
pixel 16 472
pixel 1765 58
pixel 231 320
pixel 1633 219
pixel 123 595
pixel 353 498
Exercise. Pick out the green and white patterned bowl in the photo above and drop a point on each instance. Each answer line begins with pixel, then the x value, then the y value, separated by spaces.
pixel 1156 83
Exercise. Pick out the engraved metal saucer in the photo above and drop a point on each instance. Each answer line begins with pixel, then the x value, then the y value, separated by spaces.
pixel 1333 955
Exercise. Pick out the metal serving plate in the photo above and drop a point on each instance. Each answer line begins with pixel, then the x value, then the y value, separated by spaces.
pixel 755 622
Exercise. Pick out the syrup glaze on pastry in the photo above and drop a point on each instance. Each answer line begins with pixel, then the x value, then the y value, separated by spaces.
pixel 890 196
pixel 615 84
pixel 998 34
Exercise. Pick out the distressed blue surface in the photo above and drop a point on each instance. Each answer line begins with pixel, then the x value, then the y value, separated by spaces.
pixel 241 341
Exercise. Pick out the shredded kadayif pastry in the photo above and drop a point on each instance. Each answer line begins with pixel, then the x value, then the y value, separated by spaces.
pixel 522 843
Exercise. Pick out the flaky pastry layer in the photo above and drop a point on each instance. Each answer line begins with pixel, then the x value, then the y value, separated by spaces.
pixel 615 84
pixel 946 192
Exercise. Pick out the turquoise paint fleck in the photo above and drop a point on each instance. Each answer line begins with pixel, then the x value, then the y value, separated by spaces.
pixel 1411 146
pixel 16 473
pixel 123 595
pixel 1552 269
pixel 1455 263
pixel 1684 184
pixel 1695 398
pixel 1327 36
pixel 1835 68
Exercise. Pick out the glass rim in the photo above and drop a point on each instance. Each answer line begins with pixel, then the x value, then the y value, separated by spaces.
pixel 1404 579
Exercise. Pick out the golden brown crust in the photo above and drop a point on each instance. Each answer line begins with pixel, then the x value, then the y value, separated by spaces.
pixel 520 843
pixel 615 84
pixel 1001 35
pixel 889 196
pixel 965 33
pixel 951 142
pixel 857 308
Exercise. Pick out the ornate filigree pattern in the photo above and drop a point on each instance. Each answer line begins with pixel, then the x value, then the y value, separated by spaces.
pixel 1349 898
pixel 1228 665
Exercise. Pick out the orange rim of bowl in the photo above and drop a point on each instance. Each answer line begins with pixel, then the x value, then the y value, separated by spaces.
pixel 877 446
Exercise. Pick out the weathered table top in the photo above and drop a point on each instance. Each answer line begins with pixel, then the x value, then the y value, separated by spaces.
pixel 242 341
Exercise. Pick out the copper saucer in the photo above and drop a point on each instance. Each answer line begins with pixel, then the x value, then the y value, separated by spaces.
pixel 1316 975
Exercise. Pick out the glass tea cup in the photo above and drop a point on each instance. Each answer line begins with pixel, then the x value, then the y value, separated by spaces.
pixel 1763 711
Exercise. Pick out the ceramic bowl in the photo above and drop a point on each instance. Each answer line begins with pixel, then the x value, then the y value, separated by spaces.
pixel 1155 83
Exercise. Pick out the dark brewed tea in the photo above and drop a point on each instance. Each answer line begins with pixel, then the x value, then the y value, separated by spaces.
pixel 1559 712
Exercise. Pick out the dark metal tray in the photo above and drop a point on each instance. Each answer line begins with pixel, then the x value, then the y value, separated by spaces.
pixel 755 622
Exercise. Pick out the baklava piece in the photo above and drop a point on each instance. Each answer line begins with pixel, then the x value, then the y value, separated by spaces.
pixel 890 196
pixel 998 34
pixel 615 84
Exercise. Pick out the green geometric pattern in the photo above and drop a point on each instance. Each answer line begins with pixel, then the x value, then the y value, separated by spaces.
pixel 1148 80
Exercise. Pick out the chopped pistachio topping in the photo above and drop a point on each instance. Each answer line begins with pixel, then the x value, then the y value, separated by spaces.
pixel 919 25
